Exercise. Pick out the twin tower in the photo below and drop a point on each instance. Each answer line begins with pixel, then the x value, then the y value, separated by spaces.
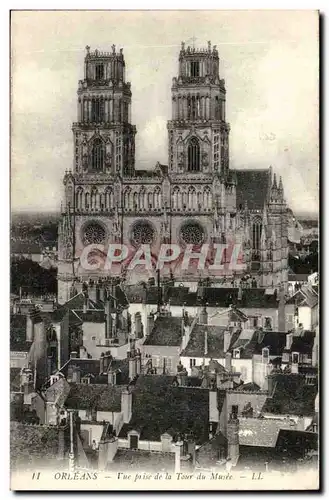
pixel 196 198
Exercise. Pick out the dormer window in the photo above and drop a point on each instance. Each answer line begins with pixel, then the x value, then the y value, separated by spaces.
pixel 295 358
pixel 268 323
pixel 85 380
pixel 195 68
pixel 236 353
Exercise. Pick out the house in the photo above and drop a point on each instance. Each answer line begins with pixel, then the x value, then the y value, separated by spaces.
pixel 20 342
pixel 306 303
pixel 165 335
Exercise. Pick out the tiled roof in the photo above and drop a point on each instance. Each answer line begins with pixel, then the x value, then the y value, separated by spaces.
pixel 181 295
pixel 304 343
pixel 15 380
pixel 135 293
pixel 58 392
pixel 18 333
pixel 196 344
pixel 97 396
pixel 291 396
pixel 260 431
pixel 252 187
pixel 159 407
pixel 297 440
pixel 208 453
pixel 274 341
pixel 144 461
pixel 250 387
pixel 34 445
pixel 306 296
pixel 167 331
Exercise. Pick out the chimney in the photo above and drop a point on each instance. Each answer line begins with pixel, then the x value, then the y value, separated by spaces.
pixel 150 323
pixel 227 340
pixel 289 338
pixel 76 375
pixel 126 405
pixel 102 293
pixel 203 318
pixel 73 354
pixel 93 292
pixel 240 292
pixel 294 368
pixel 138 363
pixel 111 378
pixel 29 327
pixel 132 367
pixel 213 407
pixel 138 325
pixel 191 449
pixel 178 454
pixel 101 364
pixel 85 302
pixel 109 319
pixel 166 442
pixel 282 311
pixel 269 384
pixel 228 361
pixel 233 438
pixel 182 377
pixel 205 342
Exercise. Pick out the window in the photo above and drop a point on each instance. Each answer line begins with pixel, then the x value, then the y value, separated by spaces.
pixel 268 323
pixel 254 321
pixel 192 362
pixel 195 68
pixel 236 353
pixel 133 442
pixel 194 155
pixel 97 110
pixel 99 71
pixel 256 235
pixel 235 410
pixel 97 159
pixel 295 357
pixel 216 150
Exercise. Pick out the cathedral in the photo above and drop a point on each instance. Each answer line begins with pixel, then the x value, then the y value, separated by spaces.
pixel 193 200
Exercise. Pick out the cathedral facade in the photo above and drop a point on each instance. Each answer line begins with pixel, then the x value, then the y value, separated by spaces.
pixel 195 199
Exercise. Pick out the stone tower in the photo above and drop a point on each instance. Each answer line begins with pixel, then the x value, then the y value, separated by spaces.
pixel 195 199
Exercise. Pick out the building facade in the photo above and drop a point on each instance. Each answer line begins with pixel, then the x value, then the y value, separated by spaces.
pixel 194 200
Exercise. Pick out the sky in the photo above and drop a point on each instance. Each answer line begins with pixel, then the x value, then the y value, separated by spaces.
pixel 269 60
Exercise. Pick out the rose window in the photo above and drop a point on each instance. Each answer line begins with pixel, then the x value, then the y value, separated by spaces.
pixel 143 233
pixel 192 233
pixel 93 233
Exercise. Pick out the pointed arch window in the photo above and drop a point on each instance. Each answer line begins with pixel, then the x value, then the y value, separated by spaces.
pixel 256 234
pixel 126 199
pixel 97 155
pixel 207 200
pixel 175 196
pixel 157 198
pixel 191 198
pixel 194 155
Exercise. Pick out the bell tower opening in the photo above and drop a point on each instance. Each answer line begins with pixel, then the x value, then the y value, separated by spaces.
pixel 193 155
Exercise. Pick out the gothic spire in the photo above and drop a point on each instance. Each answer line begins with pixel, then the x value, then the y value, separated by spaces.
pixel 274 185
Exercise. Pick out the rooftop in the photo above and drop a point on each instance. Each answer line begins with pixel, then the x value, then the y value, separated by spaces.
pixel 291 396
pixel 160 407
pixel 167 331
pixel 94 396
